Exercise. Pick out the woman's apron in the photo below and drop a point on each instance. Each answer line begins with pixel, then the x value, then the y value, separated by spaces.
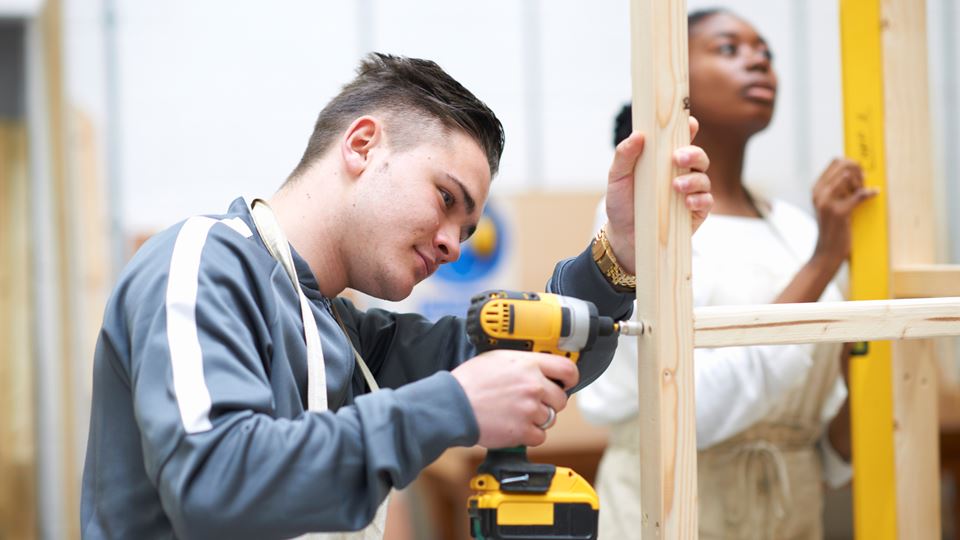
pixel 763 483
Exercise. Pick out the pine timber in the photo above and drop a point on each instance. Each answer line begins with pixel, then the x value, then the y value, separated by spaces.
pixel 910 184
pixel 668 450
pixel 50 23
pixel 18 487
pixel 816 322
pixel 926 280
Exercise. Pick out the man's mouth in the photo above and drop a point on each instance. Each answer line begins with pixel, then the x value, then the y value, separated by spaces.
pixel 428 264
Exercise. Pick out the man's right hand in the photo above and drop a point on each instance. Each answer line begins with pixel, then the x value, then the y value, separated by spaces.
pixel 510 392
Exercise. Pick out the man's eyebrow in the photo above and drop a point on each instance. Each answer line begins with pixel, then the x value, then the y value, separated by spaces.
pixel 467 198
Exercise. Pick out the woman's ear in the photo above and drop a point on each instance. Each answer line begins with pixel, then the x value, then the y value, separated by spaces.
pixel 364 134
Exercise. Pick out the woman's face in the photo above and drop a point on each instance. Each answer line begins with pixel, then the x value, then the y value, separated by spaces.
pixel 732 81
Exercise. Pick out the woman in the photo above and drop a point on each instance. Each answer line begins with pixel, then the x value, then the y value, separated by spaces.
pixel 768 428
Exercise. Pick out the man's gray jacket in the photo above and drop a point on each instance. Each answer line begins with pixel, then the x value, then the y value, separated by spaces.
pixel 198 426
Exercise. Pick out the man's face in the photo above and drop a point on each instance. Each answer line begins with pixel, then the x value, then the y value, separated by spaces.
pixel 413 209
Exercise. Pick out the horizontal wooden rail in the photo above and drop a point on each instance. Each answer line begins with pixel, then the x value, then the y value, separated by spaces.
pixel 926 281
pixel 868 320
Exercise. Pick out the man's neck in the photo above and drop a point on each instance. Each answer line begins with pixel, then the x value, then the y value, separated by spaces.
pixel 306 210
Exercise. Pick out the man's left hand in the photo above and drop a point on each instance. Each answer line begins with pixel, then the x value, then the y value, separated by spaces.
pixel 694 186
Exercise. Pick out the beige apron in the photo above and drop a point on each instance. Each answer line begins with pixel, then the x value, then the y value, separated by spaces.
pixel 279 248
pixel 763 483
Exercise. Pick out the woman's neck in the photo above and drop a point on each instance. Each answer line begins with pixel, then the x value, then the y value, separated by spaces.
pixel 726 151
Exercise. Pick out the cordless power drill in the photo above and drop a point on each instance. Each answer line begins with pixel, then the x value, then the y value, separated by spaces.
pixel 512 497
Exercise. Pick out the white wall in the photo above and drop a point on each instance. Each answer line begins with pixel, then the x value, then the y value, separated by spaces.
pixel 217 98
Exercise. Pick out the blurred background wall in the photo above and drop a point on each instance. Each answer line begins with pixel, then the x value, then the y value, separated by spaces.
pixel 118 119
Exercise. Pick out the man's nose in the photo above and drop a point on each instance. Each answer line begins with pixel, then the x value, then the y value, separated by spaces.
pixel 447 242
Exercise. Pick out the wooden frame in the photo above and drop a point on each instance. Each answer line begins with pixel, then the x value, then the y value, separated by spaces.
pixel 866 320
pixel 666 400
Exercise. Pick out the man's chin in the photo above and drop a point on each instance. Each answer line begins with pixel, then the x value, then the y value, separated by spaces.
pixel 391 293
pixel 397 297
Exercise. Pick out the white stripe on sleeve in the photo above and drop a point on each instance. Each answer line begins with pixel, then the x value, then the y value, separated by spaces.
pixel 186 358
pixel 238 225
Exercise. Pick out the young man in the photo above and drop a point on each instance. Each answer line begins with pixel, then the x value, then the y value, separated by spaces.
pixel 208 413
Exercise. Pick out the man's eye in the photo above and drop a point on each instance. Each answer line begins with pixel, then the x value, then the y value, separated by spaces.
pixel 448 199
pixel 466 233
pixel 727 49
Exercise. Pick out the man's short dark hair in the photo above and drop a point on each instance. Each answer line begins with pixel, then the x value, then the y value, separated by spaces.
pixel 408 91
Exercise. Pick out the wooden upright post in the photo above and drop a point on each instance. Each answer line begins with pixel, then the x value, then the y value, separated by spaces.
pixel 668 450
pixel 18 461
pixel 910 180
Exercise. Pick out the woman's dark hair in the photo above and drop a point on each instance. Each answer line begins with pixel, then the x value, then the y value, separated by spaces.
pixel 409 91
pixel 696 16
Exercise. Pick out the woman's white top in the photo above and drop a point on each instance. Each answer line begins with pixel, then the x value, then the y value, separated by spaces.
pixel 736 260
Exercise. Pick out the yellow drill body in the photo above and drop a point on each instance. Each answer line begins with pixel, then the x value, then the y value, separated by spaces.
pixel 512 497
pixel 536 321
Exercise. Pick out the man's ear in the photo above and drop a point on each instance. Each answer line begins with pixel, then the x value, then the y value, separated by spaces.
pixel 364 134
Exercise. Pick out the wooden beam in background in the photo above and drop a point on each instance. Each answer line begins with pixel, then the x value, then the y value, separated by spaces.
pixel 62 199
pixel 18 455
pixel 926 280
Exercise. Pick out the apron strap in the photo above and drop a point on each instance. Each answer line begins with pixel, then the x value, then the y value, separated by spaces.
pixel 279 248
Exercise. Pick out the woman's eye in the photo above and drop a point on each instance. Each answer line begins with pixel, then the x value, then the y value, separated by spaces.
pixel 727 49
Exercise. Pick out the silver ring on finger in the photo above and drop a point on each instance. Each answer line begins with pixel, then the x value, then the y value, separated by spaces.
pixel 551 419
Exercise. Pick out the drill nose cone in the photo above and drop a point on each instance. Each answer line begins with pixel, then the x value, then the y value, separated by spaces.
pixel 605 326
